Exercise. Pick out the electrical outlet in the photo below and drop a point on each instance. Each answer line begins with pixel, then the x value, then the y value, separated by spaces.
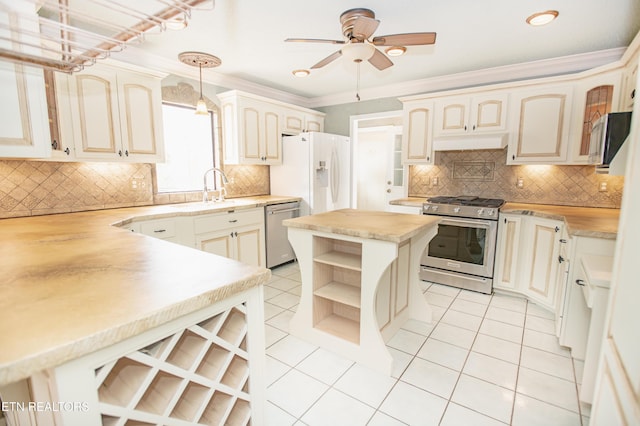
pixel 434 181
pixel 520 183
pixel 134 183
pixel 602 187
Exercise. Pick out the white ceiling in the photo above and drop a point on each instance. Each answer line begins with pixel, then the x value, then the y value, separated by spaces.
pixel 248 35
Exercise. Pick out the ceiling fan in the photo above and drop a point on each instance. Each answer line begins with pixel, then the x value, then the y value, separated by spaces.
pixel 358 25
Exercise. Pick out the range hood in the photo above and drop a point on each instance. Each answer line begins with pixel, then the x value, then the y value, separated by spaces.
pixel 464 143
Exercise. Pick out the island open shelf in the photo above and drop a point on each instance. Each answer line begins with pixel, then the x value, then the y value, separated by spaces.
pixel 360 280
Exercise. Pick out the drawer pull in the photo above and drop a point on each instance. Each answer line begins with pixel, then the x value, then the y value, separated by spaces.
pixel 159 231
pixel 233 220
pixel 580 282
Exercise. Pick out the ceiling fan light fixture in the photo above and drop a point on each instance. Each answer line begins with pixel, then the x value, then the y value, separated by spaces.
pixel 396 50
pixel 300 73
pixel 542 18
pixel 358 51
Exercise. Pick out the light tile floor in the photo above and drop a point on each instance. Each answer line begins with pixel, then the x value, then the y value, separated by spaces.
pixel 485 360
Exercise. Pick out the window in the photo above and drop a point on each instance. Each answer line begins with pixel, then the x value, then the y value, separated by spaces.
pixel 189 142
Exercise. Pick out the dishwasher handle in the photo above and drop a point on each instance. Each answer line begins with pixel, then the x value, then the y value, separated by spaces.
pixel 284 210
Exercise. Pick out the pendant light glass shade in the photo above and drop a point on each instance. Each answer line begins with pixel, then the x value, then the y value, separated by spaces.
pixel 201 107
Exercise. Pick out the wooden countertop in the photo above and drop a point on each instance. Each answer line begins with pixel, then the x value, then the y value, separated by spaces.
pixel 376 225
pixel 581 221
pixel 72 283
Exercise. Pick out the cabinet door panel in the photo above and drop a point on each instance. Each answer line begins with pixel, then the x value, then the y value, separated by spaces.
pixel 219 243
pixel 417 138
pixel 272 135
pixel 402 279
pixel 98 119
pixel 249 245
pixel 251 131
pixel 543 263
pixel 454 117
pixel 137 108
pixel 489 115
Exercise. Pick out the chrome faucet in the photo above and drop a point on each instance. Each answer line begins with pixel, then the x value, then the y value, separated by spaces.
pixel 223 191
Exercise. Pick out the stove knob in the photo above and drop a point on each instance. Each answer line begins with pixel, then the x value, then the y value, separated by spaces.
pixel 434 208
pixel 456 209
pixel 490 212
pixel 480 212
pixel 425 208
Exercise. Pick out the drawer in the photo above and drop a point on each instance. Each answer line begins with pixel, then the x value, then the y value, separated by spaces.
pixel 230 219
pixel 160 228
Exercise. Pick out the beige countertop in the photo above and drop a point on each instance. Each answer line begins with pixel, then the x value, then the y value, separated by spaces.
pixel 376 225
pixel 581 221
pixel 72 283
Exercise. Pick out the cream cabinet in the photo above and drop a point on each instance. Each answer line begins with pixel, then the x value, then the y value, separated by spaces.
pixel 527 257
pixel 594 96
pixel 115 115
pixel 540 122
pixel 507 251
pixel 297 121
pixel 417 136
pixel 251 130
pixel 236 235
pixel 24 126
pixel 474 114
pixel 203 368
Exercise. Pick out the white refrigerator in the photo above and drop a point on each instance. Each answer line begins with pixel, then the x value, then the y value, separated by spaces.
pixel 317 168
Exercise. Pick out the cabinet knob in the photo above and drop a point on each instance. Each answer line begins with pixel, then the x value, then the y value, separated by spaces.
pixel 560 259
pixel 67 151
pixel 120 153
pixel 54 144
pixel 428 158
pixel 557 228
pixel 465 127
pixel 580 282
pixel 126 153
pixel 474 127
pixel 563 241
pixel 513 157
pixel 388 191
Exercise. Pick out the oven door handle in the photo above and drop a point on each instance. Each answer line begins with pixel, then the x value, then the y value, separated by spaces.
pixel 464 222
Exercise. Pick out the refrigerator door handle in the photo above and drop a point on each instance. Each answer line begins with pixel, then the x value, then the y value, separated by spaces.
pixel 335 175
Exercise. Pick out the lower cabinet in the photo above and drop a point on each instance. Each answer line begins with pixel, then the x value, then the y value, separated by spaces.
pixel 234 234
pixel 238 235
pixel 203 368
pixel 527 257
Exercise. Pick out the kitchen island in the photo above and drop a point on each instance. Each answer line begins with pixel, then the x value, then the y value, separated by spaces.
pixel 105 326
pixel 360 281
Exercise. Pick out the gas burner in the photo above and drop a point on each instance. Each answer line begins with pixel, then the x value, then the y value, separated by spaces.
pixel 463 206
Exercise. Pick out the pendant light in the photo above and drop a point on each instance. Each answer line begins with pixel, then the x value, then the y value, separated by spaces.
pixel 200 60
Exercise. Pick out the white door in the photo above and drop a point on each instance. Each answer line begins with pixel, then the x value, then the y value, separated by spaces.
pixel 379 171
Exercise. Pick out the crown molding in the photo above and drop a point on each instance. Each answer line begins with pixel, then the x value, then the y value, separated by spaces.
pixel 509 73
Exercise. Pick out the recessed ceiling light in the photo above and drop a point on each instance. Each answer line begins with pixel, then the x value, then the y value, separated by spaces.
pixel 542 18
pixel 300 73
pixel 396 50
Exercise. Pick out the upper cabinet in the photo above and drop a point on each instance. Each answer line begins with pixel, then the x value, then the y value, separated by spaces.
pixel 417 136
pixel 111 114
pixel 481 113
pixel 297 121
pixel 24 127
pixel 594 96
pixel 540 124
pixel 252 127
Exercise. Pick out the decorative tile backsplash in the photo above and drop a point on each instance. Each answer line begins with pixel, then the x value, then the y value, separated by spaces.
pixel 484 173
pixel 29 188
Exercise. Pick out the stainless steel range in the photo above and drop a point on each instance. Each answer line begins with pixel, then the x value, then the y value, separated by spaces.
pixel 463 251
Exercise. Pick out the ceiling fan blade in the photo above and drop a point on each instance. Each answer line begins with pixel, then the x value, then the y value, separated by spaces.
pixel 380 60
pixel 409 39
pixel 314 40
pixel 364 27
pixel 327 60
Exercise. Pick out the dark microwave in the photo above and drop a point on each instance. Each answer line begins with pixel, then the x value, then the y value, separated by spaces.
pixel 607 136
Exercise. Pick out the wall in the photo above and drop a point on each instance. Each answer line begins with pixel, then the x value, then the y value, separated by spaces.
pixel 485 174
pixel 337 119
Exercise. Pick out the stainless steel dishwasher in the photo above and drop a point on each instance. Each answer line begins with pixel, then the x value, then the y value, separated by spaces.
pixel 279 250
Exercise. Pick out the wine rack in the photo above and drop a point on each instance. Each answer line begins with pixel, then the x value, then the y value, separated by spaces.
pixel 197 376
